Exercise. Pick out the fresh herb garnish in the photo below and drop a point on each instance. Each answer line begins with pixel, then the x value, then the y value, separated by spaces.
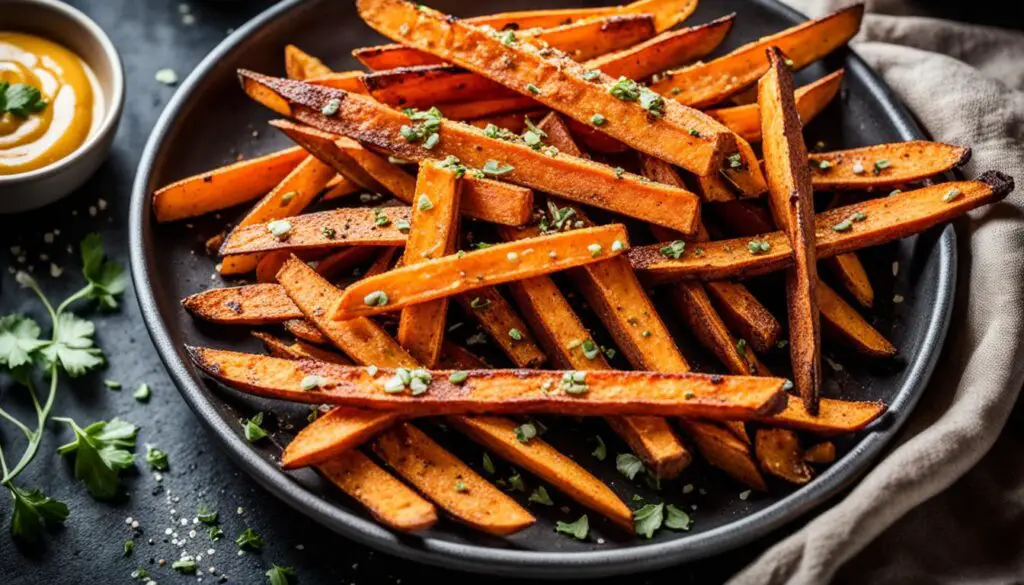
pixel 20 99
pixel 673 249
pixel 185 565
pixel 278 575
pixel 253 428
pixel 33 510
pixel 142 393
pixel 488 464
pixel 601 451
pixel 625 89
pixel 206 515
pixel 248 539
pixel 577 529
pixel 525 432
pixel 648 519
pixel 540 496
pixel 157 458
pixel 676 519
pixel 629 464
pixel 102 450
pixel 494 168
pixel 756 247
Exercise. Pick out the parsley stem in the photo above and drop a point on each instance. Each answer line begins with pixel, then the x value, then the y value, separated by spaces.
pixel 67 302
pixel 3 462
pixel 17 423
pixel 31 283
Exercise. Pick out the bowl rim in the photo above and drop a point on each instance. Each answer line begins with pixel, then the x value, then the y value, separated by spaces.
pixel 532 564
pixel 112 113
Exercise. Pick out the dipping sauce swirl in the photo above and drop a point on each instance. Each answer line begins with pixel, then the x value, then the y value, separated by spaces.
pixel 66 112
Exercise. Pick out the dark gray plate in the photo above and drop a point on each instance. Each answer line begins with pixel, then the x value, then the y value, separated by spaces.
pixel 209 120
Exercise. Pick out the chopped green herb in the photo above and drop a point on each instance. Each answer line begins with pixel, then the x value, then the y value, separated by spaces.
pixel 617 246
pixel 843 226
pixel 488 464
pixel 574 383
pixel 377 298
pixel 694 132
pixel 591 75
pixel 453 164
pixel 215 533
pixel 312 382
pixel 248 539
pixel 824 165
pixel 112 384
pixel 515 334
pixel 403 225
pixel 516 482
pixel 577 529
pixel 741 347
pixel 625 89
pixel 673 249
pixel 206 515
pixel 479 303
pixel 431 141
pixel 601 451
pixel 494 168
pixel 185 565
pixel 424 203
pixel 756 247
pixel 380 218
pixel 881 165
pixel 598 120
pixel 648 519
pixel 281 575
pixel 951 195
pixel 129 546
pixel 142 393
pixel 331 107
pixel 508 38
pixel 595 250
pixel 590 349
pixel 21 99
pixel 532 89
pixel 328 232
pixel 33 510
pixel 253 428
pixel 157 458
pixel 540 496
pixel 460 486
pixel 735 160
pixel 458 377
pixel 619 171
pixel 629 464
pixel 102 450
pixel 525 432
pixel 652 102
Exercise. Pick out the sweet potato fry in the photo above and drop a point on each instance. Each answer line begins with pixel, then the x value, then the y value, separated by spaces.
pixel 299 64
pixel 884 165
pixel 450 483
pixel 673 132
pixel 355 226
pixel 581 40
pixel 256 304
pixel 389 175
pixel 424 86
pixel 268 265
pixel 499 319
pixel 539 458
pixel 594 140
pixel 224 187
pixel 299 350
pixel 885 220
pixel 491 107
pixel 725 451
pixel 570 177
pixel 842 322
pixel 791 200
pixel 388 499
pixel 345 80
pixel 744 314
pixel 779 452
pixel 338 187
pixel 435 221
pixel 821 454
pixel 462 273
pixel 595 393
pixel 344 260
pixel 514 122
pixel 288 198
pixel 706 84
pixel 811 99
pixel 667 50
pixel 850 273
pixel 667 13
pixel 834 416
pixel 306 331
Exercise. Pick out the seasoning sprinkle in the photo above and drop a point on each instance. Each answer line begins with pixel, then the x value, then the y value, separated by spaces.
pixel 331 107
pixel 673 249
pixel 756 247
pixel 515 334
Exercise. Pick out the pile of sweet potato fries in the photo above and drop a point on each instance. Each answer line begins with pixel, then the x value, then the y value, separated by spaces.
pixel 506 119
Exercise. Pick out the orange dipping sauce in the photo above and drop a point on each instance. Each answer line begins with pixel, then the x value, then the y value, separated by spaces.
pixel 73 99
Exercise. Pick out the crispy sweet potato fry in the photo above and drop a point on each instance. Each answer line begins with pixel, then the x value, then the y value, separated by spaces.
pixel 501 391
pixel 725 451
pixel 706 84
pixel 667 13
pixel 288 198
pixel 299 350
pixel 455 487
pixel 256 304
pixel 779 452
pixel 842 322
pixel 744 314
pixel 499 319
pixel 834 416
pixel 461 273
pixel 355 226
pixel 388 499
pixel 306 331
pixel 514 122
pixel 224 187
pixel 821 454
pixel 268 265
pixel 886 219
pixel 491 107
pixel 811 99
pixel 435 221
pixel 393 56
pixel 667 50
pixel 791 200
pixel 344 260
pixel 299 64
pixel 551 80
pixel 429 85
pixel 539 458
pixel 570 177
pixel 850 273
pixel 884 165
pixel 346 80
pixel 484 199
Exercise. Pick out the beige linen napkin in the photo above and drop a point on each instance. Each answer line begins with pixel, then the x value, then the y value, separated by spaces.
pixel 943 505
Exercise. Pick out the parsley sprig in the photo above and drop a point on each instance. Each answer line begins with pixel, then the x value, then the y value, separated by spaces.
pixel 71 350
pixel 20 99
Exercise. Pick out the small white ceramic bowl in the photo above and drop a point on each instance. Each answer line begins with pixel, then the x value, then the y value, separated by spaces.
pixel 63 24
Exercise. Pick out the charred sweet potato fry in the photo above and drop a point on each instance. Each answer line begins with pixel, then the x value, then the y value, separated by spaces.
pixel 343 260
pixel 662 129
pixel 744 314
pixel 884 220
pixel 224 187
pixel 299 64
pixel 779 452
pixel 811 99
pixel 848 270
pixel 388 499
pixel 290 197
pixel 834 416
pixel 322 230
pixel 821 454
pixel 450 483
pixel 306 331
pixel 667 13
pixel 667 50
pixel 256 304
pixel 791 200
pixel 580 180
pixel 884 165
pixel 596 393
pixel 462 273
pixel 539 458
pixel 504 325
pixel 842 322
pixel 432 235
pixel 424 86
pixel 725 451
pixel 299 350
pixel 706 84
pixel 346 80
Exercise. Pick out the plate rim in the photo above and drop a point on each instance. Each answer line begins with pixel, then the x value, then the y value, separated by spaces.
pixel 532 563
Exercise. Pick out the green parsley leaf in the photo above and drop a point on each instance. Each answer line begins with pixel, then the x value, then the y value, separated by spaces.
pixel 142 393
pixel 140 574
pixel 525 432
pixel 625 89
pixel 215 533
pixel 652 102
pixel 73 348
pixel 281 575
pixel 156 458
pixel 591 75
pixel 249 539
pixel 185 565
pixel 628 464
pixel 254 429
pixel 101 450
pixel 676 519
pixel 488 464
pixel 540 496
pixel 494 168
pixel 577 529
pixel 20 99
pixel 648 519
pixel 601 451
pixel 112 384
pixel 19 340
pixel 129 546
pixel 32 510
pixel 673 249
pixel 516 481
pixel 206 515
pixel 106 279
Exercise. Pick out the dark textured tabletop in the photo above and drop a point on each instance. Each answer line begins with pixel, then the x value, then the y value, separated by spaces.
pixel 151 35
